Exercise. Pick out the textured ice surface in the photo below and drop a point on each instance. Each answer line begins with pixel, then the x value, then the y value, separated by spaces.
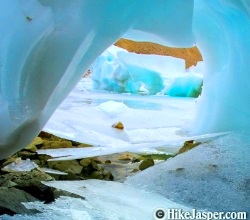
pixel 213 176
pixel 115 200
pixel 104 200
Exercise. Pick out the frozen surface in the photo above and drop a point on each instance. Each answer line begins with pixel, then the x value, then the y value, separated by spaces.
pixel 46 46
pixel 103 200
pixel 45 51
pixel 170 146
pixel 214 176
pixel 88 117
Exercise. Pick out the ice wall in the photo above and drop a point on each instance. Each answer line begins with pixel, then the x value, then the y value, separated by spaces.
pixel 223 36
pixel 47 45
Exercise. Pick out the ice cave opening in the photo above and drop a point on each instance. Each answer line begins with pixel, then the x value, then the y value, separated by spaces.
pixel 47 45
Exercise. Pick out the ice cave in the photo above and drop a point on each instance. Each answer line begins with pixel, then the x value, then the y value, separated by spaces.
pixel 46 46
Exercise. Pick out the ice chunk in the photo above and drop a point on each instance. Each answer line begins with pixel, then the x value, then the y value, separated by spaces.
pixel 213 176
pixel 113 108
pixel 187 85
pixel 20 166
pixel 52 171
pixel 122 71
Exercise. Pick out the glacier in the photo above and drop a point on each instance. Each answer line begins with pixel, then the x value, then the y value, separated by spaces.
pixel 121 71
pixel 54 43
pixel 47 45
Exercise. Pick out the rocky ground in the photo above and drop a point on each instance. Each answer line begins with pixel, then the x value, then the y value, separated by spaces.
pixel 24 186
pixel 190 55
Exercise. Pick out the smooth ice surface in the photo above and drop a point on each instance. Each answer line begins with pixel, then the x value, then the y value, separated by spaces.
pixel 20 166
pixel 213 176
pixel 52 171
pixel 88 117
pixel 46 46
pixel 222 33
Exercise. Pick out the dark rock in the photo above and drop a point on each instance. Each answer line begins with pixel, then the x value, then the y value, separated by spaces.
pixel 108 161
pixel 82 145
pixel 6 211
pixel 188 145
pixel 153 156
pixel 146 164
pixel 56 144
pixel 37 142
pixel 108 175
pixel 11 201
pixel 118 125
pixel 26 155
pixel 134 171
pixel 66 166
pixel 97 175
pixel 58 193
pixel 44 134
pixel 70 176
pixel 85 162
pixel 26 179
pixel 89 166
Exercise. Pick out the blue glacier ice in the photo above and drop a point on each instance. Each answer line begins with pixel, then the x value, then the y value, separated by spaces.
pixel 121 71
pixel 46 46
pixel 44 52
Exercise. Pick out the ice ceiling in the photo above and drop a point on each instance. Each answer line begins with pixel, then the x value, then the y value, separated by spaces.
pixel 47 45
